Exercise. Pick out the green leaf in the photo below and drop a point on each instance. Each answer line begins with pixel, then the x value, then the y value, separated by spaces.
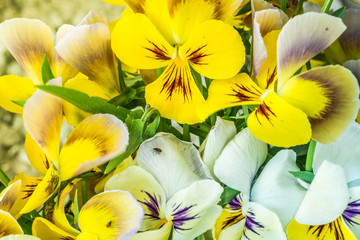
pixel 124 98
pixel 136 114
pixel 76 207
pixel 339 13
pixel 46 72
pixel 150 130
pixel 25 224
pixel 135 138
pixel 228 195
pixel 303 175
pixel 21 103
pixel 84 102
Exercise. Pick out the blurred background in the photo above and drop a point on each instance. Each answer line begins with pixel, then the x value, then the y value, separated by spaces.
pixel 54 13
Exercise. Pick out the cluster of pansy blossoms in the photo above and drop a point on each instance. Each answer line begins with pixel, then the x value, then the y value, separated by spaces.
pixel 187 119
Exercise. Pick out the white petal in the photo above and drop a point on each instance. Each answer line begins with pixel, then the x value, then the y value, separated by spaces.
pixel 351 216
pixel 278 190
pixel 240 160
pixel 327 197
pixel 344 152
pixel 174 164
pixel 220 134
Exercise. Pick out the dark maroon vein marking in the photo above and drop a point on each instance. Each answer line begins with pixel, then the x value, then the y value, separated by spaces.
pixel 245 93
pixel 271 78
pixel 334 228
pixel 265 111
pixel 160 53
pixel 197 55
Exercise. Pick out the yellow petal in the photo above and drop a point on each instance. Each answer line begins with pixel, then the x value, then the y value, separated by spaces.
pixel 268 73
pixel 36 155
pixel 43 118
pixel 137 43
pixel 103 216
pixel 28 40
pixel 302 38
pixel 332 231
pixel 239 90
pixel 214 56
pixel 45 230
pixel 9 195
pixel 329 96
pixel 8 224
pixel 86 236
pixel 14 88
pixel 226 220
pixel 278 123
pixel 74 115
pixel 58 215
pixel 87 48
pixel 175 94
pixel 61 68
pixel 186 15
pixel 43 191
pixel 160 234
pixel 94 141
pixel 116 2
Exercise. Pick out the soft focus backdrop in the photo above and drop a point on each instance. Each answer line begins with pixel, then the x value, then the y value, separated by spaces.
pixel 54 13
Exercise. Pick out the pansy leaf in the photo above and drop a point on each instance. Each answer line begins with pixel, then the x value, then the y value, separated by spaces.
pixel 227 195
pixel 135 138
pixel 339 13
pixel 46 70
pixel 303 175
pixel 124 98
pixel 84 102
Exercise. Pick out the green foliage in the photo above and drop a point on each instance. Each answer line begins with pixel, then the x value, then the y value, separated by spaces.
pixel 303 175
pixel 46 72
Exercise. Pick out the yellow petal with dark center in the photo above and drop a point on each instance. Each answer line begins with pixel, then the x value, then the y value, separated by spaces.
pixel 214 56
pixel 103 216
pixel 45 230
pixel 14 88
pixel 278 123
pixel 28 40
pixel 36 155
pixel 94 141
pixel 335 230
pixel 73 114
pixel 87 48
pixel 43 118
pixel 9 195
pixel 186 15
pixel 137 43
pixel 175 94
pixel 329 96
pixel 239 90
pixel 43 191
pixel 58 215
pixel 268 73
pixel 227 219
pixel 8 225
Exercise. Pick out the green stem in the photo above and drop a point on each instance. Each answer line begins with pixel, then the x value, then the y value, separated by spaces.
pixel 213 119
pixel 299 7
pixel 326 7
pixel 283 5
pixel 186 132
pixel 84 192
pixel 4 178
pixel 121 77
pixel 310 155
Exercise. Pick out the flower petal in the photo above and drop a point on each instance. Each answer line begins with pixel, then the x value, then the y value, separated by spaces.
pixel 87 48
pixel 261 223
pixel 145 189
pixel 137 43
pixel 220 134
pixel 193 210
pixel 14 88
pixel 160 234
pixel 8 224
pixel 276 187
pixel 343 152
pixel 278 123
pixel 45 230
pixel 332 231
pixel 176 95
pixel 28 40
pixel 94 141
pixel 302 38
pixel 36 155
pixel 240 160
pixel 330 104
pixel 351 215
pixel 174 164
pixel 213 56
pixel 354 67
pixel 19 237
pixel 9 195
pixel 326 198
pixel 350 39
pixel 116 2
pixel 43 118
pixel 103 216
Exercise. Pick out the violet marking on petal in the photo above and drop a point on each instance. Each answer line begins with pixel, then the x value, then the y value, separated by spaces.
pixel 181 215
pixel 351 212
pixel 152 204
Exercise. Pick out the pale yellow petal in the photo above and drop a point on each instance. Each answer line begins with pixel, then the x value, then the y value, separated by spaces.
pixel 9 195
pixel 36 155
pixel 45 230
pixel 8 224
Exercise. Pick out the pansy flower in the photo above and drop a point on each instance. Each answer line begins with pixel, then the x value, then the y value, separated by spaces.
pixel 292 110
pixel 331 206
pixel 174 188
pixel 178 36
pixel 261 210
pixel 94 141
